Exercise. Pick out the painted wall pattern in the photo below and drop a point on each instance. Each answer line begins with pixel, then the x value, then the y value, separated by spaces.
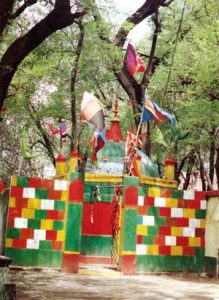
pixel 36 218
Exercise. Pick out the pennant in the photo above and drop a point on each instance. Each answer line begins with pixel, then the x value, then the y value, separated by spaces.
pixel 92 111
pixel 24 147
pixel 177 133
pixel 158 136
pixel 53 130
pixel 151 111
pixel 2 186
pixel 133 61
pixel 97 143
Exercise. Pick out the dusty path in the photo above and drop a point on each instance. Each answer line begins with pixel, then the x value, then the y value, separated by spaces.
pixel 111 285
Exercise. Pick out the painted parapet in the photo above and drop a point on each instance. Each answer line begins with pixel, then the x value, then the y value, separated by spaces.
pixel 164 230
pixel 35 225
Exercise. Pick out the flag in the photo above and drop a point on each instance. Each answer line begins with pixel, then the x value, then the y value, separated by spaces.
pixel 133 61
pixel 92 111
pixel 24 147
pixel 151 111
pixel 97 143
pixel 2 186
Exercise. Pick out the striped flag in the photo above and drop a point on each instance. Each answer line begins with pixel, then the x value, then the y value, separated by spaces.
pixel 133 61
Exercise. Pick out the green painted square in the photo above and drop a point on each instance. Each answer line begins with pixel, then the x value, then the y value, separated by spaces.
pixel 200 213
pixel 160 221
pixel 148 240
pixel 76 175
pixel 13 233
pixel 153 211
pixel 143 191
pixel 58 225
pixel 130 224
pixel 23 181
pixel 40 214
pixel 130 180
pixel 96 245
pixel 33 223
pixel 153 230
pixel 41 194
pixel 45 245
pixel 59 205
pixel 177 194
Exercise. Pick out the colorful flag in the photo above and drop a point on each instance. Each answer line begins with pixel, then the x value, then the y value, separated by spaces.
pixel 151 111
pixel 92 111
pixel 133 61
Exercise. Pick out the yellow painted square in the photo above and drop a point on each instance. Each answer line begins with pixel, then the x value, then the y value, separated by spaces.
pixel 152 249
pixel 176 250
pixel 194 242
pixel 12 202
pixel 46 224
pixel 153 192
pixel 14 181
pixel 202 223
pixel 64 195
pixel 170 202
pixel 8 243
pixel 176 231
pixel 188 213
pixel 28 213
pixel 142 230
pixel 60 235
pixel 34 203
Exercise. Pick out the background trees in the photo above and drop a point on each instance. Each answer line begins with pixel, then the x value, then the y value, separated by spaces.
pixel 48 74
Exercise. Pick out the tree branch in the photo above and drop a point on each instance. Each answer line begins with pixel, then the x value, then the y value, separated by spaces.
pixel 22 8
pixel 6 7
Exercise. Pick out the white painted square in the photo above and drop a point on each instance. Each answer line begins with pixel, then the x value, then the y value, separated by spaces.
pixel 39 234
pixel 28 193
pixel 140 201
pixel 20 223
pixel 203 204
pixel 170 240
pixel 160 201
pixel 176 212
pixel 148 220
pixel 141 249
pixel 33 244
pixel 189 195
pixel 47 204
pixel 61 185
pixel 194 223
pixel 187 231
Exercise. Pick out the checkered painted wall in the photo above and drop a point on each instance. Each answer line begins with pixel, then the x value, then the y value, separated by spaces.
pixel 170 222
pixel 36 214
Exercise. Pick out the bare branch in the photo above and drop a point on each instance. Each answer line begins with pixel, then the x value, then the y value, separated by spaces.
pixel 21 9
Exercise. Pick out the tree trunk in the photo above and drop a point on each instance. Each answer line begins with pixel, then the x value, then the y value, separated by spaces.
pixel 6 7
pixel 217 167
pixel 59 18
pixel 202 170
pixel 191 162
pixel 212 156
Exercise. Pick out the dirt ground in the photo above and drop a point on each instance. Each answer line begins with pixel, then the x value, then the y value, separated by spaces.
pixel 98 282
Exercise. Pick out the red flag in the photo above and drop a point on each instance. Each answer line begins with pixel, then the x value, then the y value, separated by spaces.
pixel 133 61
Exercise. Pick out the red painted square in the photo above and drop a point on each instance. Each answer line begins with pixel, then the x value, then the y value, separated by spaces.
pixel 47 184
pixel 128 264
pixel 171 221
pixel 21 202
pixel 159 240
pixel 10 222
pixel 142 210
pixel 26 234
pixel 149 201
pixel 165 193
pixel 16 191
pixel 51 235
pixel 131 196
pixel 54 195
pixel 182 222
pixel 164 230
pixel 199 232
pixel 199 195
pixel 35 182
pixel 164 250
pixel 183 203
pixel 139 239
pixel 76 191
pixel 57 245
pixel 202 242
pixel 14 212
pixel 55 215
pixel 182 241
pixel 18 243
pixel 193 204
pixel 188 251
pixel 165 212
pixel 70 263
